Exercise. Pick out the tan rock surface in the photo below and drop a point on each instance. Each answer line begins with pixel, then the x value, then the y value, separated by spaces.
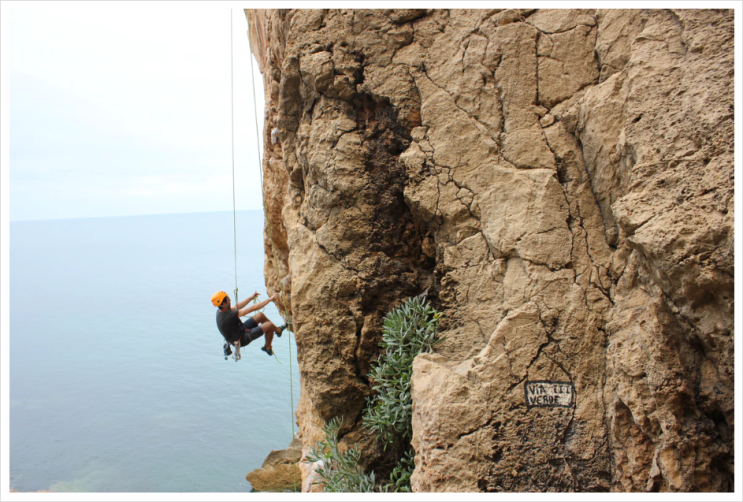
pixel 562 181
pixel 280 471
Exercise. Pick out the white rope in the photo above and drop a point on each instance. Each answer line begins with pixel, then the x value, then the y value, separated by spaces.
pixel 276 265
pixel 232 109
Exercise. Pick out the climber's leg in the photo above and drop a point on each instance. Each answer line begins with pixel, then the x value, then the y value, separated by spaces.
pixel 268 330
pixel 261 318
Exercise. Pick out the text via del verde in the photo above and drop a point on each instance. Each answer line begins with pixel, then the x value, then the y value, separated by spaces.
pixel 549 394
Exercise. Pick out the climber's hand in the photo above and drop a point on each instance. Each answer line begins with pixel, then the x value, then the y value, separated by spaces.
pixel 275 297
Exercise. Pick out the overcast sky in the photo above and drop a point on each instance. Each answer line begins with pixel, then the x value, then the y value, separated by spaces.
pixel 125 109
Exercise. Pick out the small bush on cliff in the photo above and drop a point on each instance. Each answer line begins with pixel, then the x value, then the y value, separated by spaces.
pixel 400 477
pixel 336 471
pixel 408 331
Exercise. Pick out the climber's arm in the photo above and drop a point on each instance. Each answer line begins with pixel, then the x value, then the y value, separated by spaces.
pixel 242 304
pixel 257 306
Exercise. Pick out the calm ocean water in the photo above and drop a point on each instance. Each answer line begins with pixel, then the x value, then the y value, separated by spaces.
pixel 117 378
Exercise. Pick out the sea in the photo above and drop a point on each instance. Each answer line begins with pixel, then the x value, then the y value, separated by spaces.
pixel 118 381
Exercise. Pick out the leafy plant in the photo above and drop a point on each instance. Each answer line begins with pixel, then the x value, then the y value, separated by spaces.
pixel 408 331
pixel 400 477
pixel 338 472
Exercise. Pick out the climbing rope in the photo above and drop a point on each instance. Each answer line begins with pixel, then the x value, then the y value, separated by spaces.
pixel 234 207
pixel 285 315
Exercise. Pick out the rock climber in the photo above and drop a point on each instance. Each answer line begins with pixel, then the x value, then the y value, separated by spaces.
pixel 232 329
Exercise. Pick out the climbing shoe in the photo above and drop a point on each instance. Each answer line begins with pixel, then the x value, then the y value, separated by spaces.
pixel 281 330
pixel 267 351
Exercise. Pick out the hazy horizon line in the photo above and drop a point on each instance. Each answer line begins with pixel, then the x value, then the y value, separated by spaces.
pixel 126 215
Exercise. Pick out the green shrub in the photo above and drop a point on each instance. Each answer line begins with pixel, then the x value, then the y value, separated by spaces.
pixel 408 331
pixel 338 472
pixel 400 477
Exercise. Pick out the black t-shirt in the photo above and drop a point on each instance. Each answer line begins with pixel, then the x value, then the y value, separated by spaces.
pixel 229 325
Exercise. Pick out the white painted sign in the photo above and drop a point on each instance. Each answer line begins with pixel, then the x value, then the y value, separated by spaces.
pixel 549 394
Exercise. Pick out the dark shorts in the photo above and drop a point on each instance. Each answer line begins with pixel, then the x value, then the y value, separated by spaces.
pixel 251 331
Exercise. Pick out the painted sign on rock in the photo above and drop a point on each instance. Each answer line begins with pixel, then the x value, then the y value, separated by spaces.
pixel 545 394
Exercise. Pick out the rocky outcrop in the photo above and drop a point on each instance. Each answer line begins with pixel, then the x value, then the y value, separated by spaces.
pixel 562 182
pixel 280 471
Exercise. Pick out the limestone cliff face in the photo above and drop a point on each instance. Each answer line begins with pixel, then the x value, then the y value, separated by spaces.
pixel 562 181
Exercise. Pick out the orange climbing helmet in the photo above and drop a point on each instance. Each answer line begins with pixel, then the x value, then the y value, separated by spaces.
pixel 218 298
